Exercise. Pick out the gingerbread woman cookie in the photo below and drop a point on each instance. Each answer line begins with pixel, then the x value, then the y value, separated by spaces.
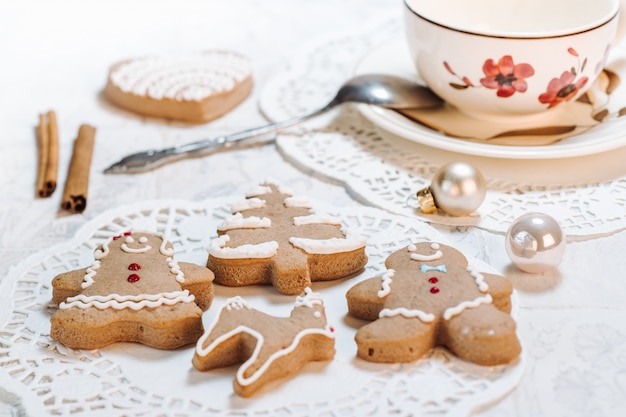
pixel 427 297
pixel 134 292
pixel 269 347
pixel 274 238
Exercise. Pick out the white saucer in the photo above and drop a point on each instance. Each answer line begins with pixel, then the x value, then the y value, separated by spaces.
pixel 392 57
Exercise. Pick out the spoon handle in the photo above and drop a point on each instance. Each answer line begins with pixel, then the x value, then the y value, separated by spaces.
pixel 146 160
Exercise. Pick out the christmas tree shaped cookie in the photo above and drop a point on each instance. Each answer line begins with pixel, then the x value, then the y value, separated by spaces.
pixel 427 297
pixel 134 292
pixel 268 347
pixel 274 238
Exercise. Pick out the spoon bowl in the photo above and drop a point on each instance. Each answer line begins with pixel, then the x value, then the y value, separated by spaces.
pixel 376 89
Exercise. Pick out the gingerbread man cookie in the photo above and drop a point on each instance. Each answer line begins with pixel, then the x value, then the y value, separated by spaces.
pixel 427 297
pixel 134 292
pixel 269 347
pixel 274 238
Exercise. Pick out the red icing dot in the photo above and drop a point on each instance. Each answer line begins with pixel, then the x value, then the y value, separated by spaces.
pixel 128 233
pixel 133 278
pixel 134 267
pixel 332 329
pixel 433 280
pixel 116 237
pixel 434 290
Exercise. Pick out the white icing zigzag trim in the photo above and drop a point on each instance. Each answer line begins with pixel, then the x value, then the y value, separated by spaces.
pixel 309 299
pixel 388 312
pixel 89 274
pixel 218 249
pixel 134 302
pixel 458 309
pixel 386 285
pixel 479 278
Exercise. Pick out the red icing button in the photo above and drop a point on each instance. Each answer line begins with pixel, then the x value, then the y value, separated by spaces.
pixel 116 237
pixel 128 233
pixel 134 267
pixel 433 280
pixel 434 290
pixel 133 278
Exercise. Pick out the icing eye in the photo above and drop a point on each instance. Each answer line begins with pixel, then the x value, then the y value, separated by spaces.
pixel 143 239
pixel 129 239
pixel 434 246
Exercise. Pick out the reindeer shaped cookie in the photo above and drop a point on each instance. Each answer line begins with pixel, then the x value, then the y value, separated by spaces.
pixel 427 297
pixel 269 347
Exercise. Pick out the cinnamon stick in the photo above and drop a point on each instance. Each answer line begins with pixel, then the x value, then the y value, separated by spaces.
pixel 43 142
pixel 52 169
pixel 77 183
pixel 48 149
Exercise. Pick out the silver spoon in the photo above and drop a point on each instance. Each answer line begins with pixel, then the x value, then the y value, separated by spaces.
pixel 377 89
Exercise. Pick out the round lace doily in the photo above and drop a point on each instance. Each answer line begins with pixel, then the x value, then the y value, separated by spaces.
pixel 585 194
pixel 41 377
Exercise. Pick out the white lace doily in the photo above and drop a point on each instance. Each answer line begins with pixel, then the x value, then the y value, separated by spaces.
pixel 41 377
pixel 586 195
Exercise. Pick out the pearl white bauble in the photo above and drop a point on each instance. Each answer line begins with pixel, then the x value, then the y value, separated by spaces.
pixel 535 242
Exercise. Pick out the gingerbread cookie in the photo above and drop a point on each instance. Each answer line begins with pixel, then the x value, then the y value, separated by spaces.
pixel 196 88
pixel 134 292
pixel 273 238
pixel 427 297
pixel 269 347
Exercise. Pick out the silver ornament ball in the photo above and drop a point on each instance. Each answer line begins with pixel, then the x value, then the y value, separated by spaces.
pixel 457 188
pixel 535 242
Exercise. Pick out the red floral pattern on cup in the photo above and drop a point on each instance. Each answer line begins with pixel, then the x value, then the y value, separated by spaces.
pixel 504 76
pixel 566 86
pixel 509 78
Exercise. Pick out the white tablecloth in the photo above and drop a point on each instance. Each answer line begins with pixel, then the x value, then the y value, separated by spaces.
pixel 55 55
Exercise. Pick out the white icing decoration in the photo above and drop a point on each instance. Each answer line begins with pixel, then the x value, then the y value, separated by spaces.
pixel 237 221
pixel 316 219
pixel 247 204
pixel 426 258
pixel 299 202
pixel 259 190
pixel 434 246
pixel 479 278
pixel 143 249
pixel 143 239
pixel 317 314
pixel 386 285
pixel 412 248
pixel 328 246
pixel 134 302
pixel 190 78
pixel 89 274
pixel 309 299
pixel 241 379
pixel 129 239
pixel 175 269
pixel 284 190
pixel 425 317
pixel 453 311
pixel 236 303
pixel 218 249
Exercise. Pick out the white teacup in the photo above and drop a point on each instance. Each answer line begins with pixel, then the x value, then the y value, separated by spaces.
pixel 499 59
